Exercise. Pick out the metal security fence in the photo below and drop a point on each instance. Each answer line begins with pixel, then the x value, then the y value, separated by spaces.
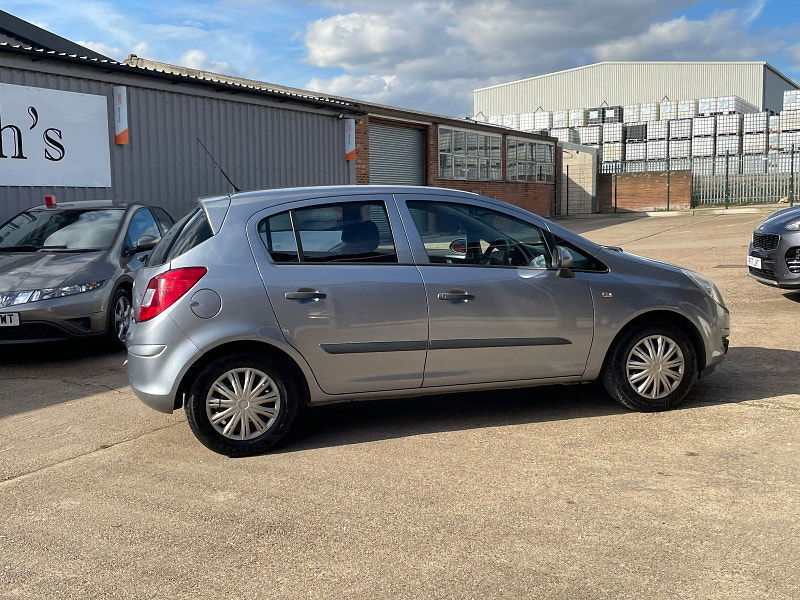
pixel 747 180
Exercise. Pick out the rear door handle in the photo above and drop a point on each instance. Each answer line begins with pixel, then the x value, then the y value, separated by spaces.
pixel 304 294
pixel 455 296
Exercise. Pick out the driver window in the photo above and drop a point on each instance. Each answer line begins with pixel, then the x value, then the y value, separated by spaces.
pixel 460 234
pixel 141 224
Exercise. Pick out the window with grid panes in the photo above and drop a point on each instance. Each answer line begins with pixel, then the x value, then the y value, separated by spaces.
pixel 529 161
pixel 469 155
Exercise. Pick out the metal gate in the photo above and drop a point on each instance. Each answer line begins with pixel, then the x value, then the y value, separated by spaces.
pixel 396 155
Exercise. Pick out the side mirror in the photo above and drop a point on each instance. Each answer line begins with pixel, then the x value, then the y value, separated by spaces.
pixel 146 242
pixel 459 246
pixel 562 260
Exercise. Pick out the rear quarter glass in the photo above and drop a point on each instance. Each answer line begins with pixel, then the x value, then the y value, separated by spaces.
pixel 192 230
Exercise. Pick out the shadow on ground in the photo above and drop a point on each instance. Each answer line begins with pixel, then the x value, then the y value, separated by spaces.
pixel 34 376
pixel 793 296
pixel 748 374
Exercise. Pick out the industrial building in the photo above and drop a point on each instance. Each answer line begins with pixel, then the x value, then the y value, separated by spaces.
pixel 726 124
pixel 624 83
pixel 81 126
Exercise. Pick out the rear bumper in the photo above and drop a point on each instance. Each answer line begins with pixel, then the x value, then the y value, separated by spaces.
pixel 155 370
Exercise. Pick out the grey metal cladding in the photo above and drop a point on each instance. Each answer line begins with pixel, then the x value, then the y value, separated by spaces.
pixel 260 146
pixel 632 82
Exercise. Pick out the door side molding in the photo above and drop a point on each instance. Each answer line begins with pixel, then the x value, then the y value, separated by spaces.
pixel 405 346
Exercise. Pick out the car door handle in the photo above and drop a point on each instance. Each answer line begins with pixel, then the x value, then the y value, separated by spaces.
pixel 455 296
pixel 305 294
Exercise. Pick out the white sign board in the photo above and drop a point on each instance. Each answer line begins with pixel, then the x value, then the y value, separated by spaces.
pixel 53 138
pixel 349 139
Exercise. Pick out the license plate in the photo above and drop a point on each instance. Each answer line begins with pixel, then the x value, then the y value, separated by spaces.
pixel 9 320
pixel 754 261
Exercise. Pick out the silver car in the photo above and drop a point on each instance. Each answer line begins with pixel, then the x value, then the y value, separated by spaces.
pixel 261 303
pixel 66 270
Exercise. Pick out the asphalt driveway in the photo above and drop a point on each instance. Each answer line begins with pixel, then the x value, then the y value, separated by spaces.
pixel 542 493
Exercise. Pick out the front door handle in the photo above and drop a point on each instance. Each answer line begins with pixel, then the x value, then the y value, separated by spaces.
pixel 455 296
pixel 304 294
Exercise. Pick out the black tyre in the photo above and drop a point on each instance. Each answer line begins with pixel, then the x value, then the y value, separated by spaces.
pixel 119 317
pixel 243 404
pixel 651 367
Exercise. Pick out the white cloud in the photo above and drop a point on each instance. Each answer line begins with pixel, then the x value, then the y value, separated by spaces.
pixel 715 38
pixel 197 59
pixel 106 50
pixel 430 55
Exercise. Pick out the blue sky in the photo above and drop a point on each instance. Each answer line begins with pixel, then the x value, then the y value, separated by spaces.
pixel 423 55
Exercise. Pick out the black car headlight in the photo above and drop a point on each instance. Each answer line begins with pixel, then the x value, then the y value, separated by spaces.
pixel 23 297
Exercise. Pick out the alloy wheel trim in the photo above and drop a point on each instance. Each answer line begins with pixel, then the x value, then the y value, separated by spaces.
pixel 122 316
pixel 243 404
pixel 655 366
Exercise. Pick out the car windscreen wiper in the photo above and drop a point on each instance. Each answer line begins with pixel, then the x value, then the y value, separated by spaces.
pixel 25 248
pixel 67 249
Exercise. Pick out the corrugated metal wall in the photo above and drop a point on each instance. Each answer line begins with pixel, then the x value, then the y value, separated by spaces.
pixel 774 86
pixel 259 146
pixel 625 83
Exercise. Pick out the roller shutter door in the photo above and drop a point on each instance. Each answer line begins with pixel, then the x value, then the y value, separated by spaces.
pixel 396 155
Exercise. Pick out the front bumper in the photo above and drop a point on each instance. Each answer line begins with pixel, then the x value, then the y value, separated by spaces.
pixel 780 266
pixel 71 317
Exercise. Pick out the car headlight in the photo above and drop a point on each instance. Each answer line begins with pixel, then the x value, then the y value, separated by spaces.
pixel 705 284
pixel 23 297
pixel 793 225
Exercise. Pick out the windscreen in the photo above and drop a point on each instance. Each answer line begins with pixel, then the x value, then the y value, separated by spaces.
pixel 69 229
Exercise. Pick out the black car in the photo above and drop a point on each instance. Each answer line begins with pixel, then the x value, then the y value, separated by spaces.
pixel 66 271
pixel 774 253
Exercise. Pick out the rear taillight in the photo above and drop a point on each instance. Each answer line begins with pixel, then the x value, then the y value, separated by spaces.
pixel 165 289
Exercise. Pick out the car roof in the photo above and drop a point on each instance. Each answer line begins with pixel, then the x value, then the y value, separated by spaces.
pixel 88 204
pixel 282 195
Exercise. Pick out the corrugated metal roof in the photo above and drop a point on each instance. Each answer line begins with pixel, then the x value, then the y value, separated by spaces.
pixel 202 78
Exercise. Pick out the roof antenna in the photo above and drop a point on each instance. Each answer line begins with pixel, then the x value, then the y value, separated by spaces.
pixel 221 170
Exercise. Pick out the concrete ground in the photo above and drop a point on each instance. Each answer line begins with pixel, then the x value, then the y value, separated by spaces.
pixel 542 493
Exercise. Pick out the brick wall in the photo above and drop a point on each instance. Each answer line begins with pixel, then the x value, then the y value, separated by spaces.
pixel 645 191
pixel 362 150
pixel 535 197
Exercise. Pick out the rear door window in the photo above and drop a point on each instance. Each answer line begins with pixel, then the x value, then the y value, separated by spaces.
pixel 163 219
pixel 348 232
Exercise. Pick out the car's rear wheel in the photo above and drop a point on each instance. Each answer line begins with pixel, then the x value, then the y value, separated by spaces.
pixel 651 367
pixel 119 317
pixel 242 404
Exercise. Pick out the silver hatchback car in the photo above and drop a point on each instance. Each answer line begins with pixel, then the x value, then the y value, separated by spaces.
pixel 260 303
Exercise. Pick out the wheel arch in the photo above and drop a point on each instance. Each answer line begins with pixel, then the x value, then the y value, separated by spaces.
pixel 258 347
pixel 669 317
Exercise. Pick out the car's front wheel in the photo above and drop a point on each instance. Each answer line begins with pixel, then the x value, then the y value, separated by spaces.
pixel 119 317
pixel 242 404
pixel 651 368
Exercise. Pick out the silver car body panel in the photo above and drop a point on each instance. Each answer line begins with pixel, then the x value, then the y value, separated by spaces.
pixel 373 322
